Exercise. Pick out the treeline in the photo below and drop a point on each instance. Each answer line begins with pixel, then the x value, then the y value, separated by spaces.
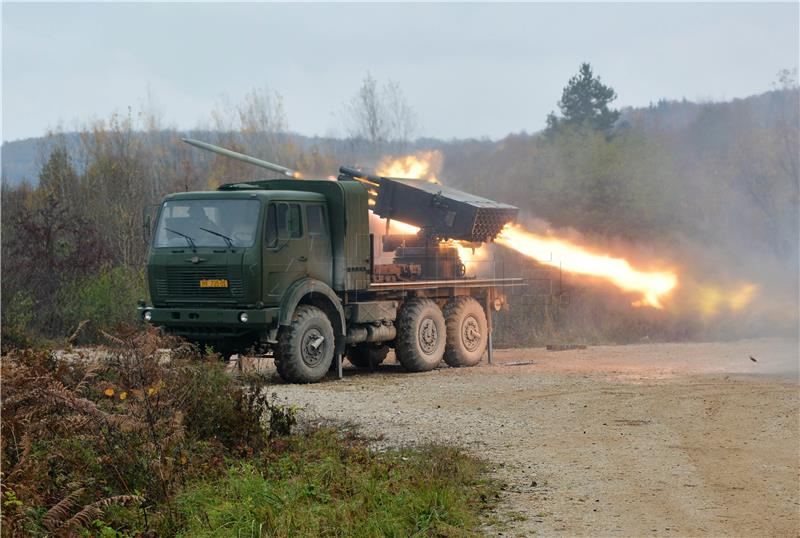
pixel 725 176
pixel 713 183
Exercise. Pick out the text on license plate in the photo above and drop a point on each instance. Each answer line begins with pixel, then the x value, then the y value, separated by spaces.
pixel 214 283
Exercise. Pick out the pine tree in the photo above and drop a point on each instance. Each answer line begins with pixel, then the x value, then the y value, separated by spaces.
pixel 585 102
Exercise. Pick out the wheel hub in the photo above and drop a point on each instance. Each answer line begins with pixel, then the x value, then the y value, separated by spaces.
pixel 470 333
pixel 428 336
pixel 313 347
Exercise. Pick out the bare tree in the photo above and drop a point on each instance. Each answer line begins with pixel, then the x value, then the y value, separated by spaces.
pixel 402 119
pixel 365 115
pixel 379 114
pixel 262 112
pixel 257 126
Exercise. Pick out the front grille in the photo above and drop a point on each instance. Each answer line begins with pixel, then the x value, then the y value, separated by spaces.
pixel 184 283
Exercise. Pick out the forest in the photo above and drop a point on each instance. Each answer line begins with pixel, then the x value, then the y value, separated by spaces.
pixel 712 188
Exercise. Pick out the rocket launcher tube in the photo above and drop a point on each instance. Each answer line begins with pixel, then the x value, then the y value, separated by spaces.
pixel 357 174
pixel 288 172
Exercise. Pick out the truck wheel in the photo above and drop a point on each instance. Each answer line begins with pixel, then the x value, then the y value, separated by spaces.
pixel 367 355
pixel 467 332
pixel 305 348
pixel 420 338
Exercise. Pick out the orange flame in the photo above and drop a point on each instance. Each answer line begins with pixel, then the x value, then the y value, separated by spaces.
pixel 421 165
pixel 653 286
pixel 710 300
pixel 472 258
pixel 409 166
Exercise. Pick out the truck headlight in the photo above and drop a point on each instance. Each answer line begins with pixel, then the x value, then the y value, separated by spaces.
pixel 147 315
pixel 243 317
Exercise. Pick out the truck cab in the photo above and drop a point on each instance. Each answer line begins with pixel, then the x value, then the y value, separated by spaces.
pixel 219 259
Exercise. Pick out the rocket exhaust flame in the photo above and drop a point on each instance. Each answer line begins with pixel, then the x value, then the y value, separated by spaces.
pixel 421 165
pixel 652 286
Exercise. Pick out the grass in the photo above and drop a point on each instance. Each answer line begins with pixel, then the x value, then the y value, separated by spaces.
pixel 326 484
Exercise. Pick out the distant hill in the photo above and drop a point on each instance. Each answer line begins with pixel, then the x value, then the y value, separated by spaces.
pixel 677 115
pixel 21 159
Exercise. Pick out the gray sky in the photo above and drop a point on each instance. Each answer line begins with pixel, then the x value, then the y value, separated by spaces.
pixel 469 70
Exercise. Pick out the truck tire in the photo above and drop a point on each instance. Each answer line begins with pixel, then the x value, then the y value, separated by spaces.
pixel 305 347
pixel 467 332
pixel 367 355
pixel 420 341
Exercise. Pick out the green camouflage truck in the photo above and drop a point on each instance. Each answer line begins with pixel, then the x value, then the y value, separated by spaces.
pixel 289 266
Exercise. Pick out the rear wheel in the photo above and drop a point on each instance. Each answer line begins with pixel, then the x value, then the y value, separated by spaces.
pixel 367 355
pixel 467 332
pixel 305 347
pixel 420 341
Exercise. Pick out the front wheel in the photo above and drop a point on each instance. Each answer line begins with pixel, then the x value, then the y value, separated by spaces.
pixel 305 347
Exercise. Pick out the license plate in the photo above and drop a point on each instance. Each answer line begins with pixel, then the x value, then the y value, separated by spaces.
pixel 214 283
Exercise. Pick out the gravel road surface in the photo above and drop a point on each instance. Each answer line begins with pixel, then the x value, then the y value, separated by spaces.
pixel 654 439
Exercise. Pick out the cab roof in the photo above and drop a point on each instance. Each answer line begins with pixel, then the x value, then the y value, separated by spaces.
pixel 265 195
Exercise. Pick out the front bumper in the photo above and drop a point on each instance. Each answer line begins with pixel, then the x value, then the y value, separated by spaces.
pixel 210 323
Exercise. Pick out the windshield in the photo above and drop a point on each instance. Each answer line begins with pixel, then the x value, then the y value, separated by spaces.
pixel 207 223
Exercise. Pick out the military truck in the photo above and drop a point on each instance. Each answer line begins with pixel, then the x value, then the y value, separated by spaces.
pixel 289 266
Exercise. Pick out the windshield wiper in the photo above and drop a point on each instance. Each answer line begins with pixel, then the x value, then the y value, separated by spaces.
pixel 225 237
pixel 188 239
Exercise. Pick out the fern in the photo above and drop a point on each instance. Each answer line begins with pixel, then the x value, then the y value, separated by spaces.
pixel 90 373
pixel 92 511
pixel 114 339
pixel 59 513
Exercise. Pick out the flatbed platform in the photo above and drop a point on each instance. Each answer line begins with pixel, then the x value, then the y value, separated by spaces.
pixel 454 283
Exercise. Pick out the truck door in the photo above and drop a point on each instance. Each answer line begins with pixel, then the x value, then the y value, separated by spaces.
pixel 286 250
pixel 320 264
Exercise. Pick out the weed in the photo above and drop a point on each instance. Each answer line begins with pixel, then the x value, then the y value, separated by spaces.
pixel 323 484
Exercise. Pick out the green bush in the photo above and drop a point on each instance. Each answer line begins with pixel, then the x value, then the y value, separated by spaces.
pixel 106 299
pixel 16 321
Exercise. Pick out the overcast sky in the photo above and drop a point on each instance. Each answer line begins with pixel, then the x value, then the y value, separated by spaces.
pixel 469 70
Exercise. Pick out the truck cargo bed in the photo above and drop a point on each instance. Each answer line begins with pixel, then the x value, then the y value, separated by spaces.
pixel 455 283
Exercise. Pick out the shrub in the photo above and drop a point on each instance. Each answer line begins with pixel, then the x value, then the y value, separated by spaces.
pixel 107 299
pixel 16 321
pixel 119 428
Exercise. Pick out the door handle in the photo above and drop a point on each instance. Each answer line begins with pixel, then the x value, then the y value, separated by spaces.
pixel 302 259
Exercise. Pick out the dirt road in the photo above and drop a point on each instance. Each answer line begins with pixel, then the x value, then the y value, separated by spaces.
pixel 658 439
